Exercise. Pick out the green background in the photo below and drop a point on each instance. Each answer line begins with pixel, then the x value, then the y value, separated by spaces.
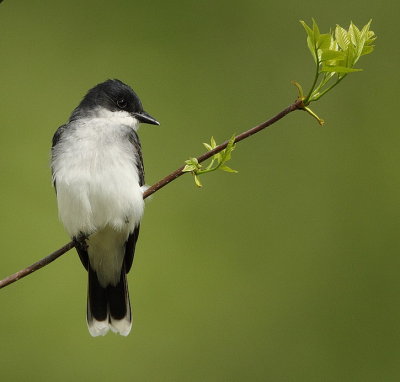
pixel 287 271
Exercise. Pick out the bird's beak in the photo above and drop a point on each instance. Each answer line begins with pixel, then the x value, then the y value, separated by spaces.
pixel 145 118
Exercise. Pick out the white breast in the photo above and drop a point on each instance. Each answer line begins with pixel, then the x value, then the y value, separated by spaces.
pixel 96 177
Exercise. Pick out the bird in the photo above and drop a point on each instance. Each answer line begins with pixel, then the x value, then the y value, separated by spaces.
pixel 98 175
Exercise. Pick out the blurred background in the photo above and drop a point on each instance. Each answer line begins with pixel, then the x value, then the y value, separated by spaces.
pixel 286 271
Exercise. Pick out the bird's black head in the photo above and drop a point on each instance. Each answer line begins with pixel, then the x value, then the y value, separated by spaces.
pixel 113 95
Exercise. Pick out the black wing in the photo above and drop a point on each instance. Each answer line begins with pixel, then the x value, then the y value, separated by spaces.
pixel 130 246
pixel 132 238
pixel 56 139
pixel 81 248
pixel 135 142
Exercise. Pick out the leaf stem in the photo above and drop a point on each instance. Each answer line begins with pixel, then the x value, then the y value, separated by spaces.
pixel 329 88
pixel 316 76
pixel 309 111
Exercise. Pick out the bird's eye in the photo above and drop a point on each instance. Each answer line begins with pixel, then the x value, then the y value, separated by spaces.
pixel 121 103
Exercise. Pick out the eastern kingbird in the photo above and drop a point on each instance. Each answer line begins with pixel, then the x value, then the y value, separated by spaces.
pixel 98 175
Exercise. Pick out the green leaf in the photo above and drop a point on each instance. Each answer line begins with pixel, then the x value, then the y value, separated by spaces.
pixel 226 153
pixel 217 157
pixel 351 56
pixel 227 169
pixel 207 146
pixel 339 69
pixel 324 41
pixel 367 49
pixel 193 161
pixel 328 55
pixel 197 181
pixel 309 31
pixel 231 143
pixel 355 34
pixel 342 37
pixel 315 30
pixel 312 48
pixel 359 40
pixel 310 40
pixel 333 45
pixel 189 168
pixel 370 37
pixel 364 32
pixel 213 143
pixel 210 165
pixel 192 164
pixel 223 157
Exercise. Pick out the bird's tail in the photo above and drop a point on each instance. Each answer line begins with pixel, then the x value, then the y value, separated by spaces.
pixel 108 307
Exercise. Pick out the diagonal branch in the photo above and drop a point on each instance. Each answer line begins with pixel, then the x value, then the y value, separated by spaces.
pixel 298 105
pixel 39 264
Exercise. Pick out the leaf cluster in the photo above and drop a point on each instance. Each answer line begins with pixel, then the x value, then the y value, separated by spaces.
pixel 335 55
pixel 218 160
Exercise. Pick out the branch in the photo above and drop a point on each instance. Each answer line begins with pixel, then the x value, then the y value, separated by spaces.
pixel 34 267
pixel 298 105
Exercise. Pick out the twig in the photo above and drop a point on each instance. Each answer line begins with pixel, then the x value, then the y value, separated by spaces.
pixel 298 105
pixel 34 267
